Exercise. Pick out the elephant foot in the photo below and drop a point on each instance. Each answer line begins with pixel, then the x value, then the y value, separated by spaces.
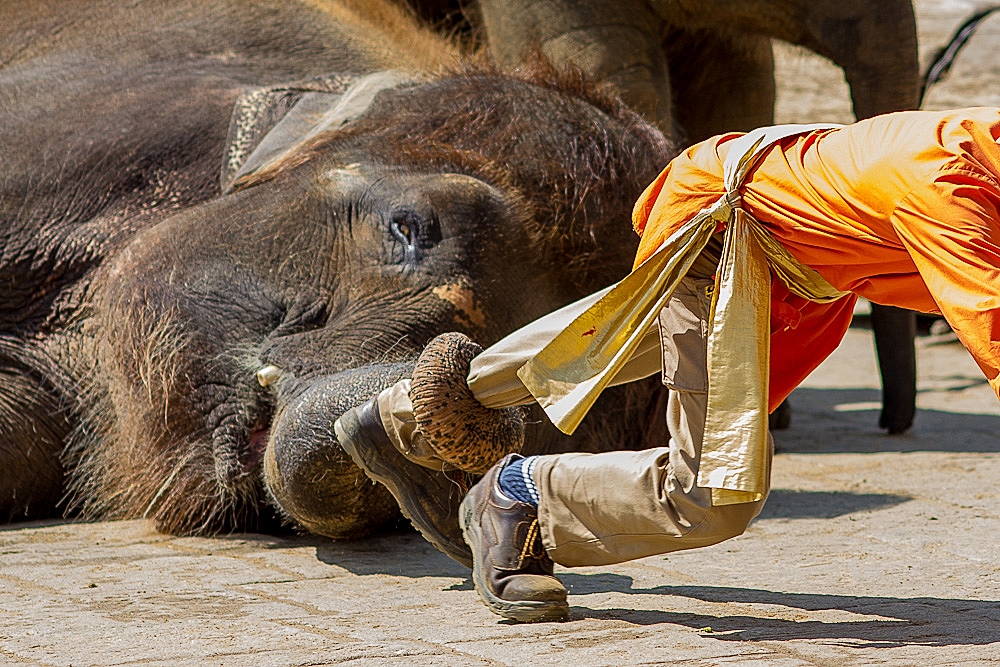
pixel 781 418
pixel 894 425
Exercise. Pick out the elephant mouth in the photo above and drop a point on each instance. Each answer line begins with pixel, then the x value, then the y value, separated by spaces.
pixel 305 470
pixel 239 445
pixel 253 456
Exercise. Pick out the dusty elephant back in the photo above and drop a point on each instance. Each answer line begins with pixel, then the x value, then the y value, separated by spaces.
pixel 112 116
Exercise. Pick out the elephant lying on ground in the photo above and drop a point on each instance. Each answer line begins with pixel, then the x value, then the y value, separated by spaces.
pixel 702 68
pixel 212 210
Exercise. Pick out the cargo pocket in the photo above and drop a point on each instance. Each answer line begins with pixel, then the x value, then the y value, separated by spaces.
pixel 683 324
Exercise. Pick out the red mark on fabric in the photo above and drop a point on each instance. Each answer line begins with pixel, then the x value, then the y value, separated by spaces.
pixel 589 332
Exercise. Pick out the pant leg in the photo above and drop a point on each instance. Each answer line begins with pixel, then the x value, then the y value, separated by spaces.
pixel 493 373
pixel 606 508
pixel 396 413
pixel 493 376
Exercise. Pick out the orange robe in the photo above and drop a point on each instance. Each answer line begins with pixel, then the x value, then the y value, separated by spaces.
pixel 902 209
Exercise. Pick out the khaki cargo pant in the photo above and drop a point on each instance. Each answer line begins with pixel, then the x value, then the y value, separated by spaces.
pixel 606 508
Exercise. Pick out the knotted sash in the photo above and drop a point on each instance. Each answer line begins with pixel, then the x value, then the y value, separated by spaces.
pixel 569 373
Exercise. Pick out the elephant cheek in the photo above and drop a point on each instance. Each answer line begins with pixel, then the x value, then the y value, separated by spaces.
pixel 461 298
pixel 317 485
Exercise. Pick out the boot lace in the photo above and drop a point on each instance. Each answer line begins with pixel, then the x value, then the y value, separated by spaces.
pixel 533 548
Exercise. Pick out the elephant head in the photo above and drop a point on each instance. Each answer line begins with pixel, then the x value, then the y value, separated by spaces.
pixel 245 325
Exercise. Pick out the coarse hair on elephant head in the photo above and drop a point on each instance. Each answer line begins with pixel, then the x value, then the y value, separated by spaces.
pixel 476 200
pixel 485 123
pixel 136 452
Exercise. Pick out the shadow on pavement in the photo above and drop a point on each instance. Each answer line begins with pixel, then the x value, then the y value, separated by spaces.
pixel 384 554
pixel 907 621
pixel 40 523
pixel 404 554
pixel 846 421
pixel 790 504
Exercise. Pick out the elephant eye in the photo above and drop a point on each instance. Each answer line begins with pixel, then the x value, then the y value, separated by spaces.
pixel 414 232
pixel 404 230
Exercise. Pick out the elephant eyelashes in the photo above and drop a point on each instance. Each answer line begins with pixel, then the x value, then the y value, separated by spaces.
pixel 415 232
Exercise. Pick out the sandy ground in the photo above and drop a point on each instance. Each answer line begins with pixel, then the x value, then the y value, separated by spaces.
pixel 871 551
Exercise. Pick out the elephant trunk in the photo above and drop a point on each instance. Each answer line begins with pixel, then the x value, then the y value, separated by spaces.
pixel 312 479
pixel 874 42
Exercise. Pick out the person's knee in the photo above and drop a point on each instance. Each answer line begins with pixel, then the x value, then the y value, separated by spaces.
pixel 723 522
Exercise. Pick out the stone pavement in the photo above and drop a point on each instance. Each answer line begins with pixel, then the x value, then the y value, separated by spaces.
pixel 872 550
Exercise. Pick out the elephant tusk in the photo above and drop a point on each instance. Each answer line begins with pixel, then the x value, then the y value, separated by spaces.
pixel 268 375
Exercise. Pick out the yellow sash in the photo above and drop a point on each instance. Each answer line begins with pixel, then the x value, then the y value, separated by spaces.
pixel 569 373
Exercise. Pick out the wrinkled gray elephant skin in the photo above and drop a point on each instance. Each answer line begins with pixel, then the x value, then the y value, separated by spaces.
pixel 164 330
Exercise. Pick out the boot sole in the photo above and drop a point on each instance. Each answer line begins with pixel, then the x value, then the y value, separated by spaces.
pixel 523 611
pixel 384 477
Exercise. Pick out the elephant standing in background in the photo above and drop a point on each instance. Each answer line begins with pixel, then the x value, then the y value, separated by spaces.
pixel 701 67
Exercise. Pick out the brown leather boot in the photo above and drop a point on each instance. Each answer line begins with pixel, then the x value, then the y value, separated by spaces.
pixel 511 570
pixel 428 498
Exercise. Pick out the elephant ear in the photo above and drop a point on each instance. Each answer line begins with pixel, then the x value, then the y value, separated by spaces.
pixel 257 110
pixel 270 122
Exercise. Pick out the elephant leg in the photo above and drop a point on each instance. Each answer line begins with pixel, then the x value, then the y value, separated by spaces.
pixel 721 82
pixel 874 42
pixel 895 330
pixel 613 42
pixel 781 418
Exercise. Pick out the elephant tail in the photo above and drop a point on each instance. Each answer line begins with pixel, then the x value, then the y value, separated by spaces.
pixel 945 57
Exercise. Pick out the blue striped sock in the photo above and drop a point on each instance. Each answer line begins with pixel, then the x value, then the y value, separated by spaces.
pixel 516 481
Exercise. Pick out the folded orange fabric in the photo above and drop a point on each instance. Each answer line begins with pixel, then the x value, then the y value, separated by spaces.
pixel 902 209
